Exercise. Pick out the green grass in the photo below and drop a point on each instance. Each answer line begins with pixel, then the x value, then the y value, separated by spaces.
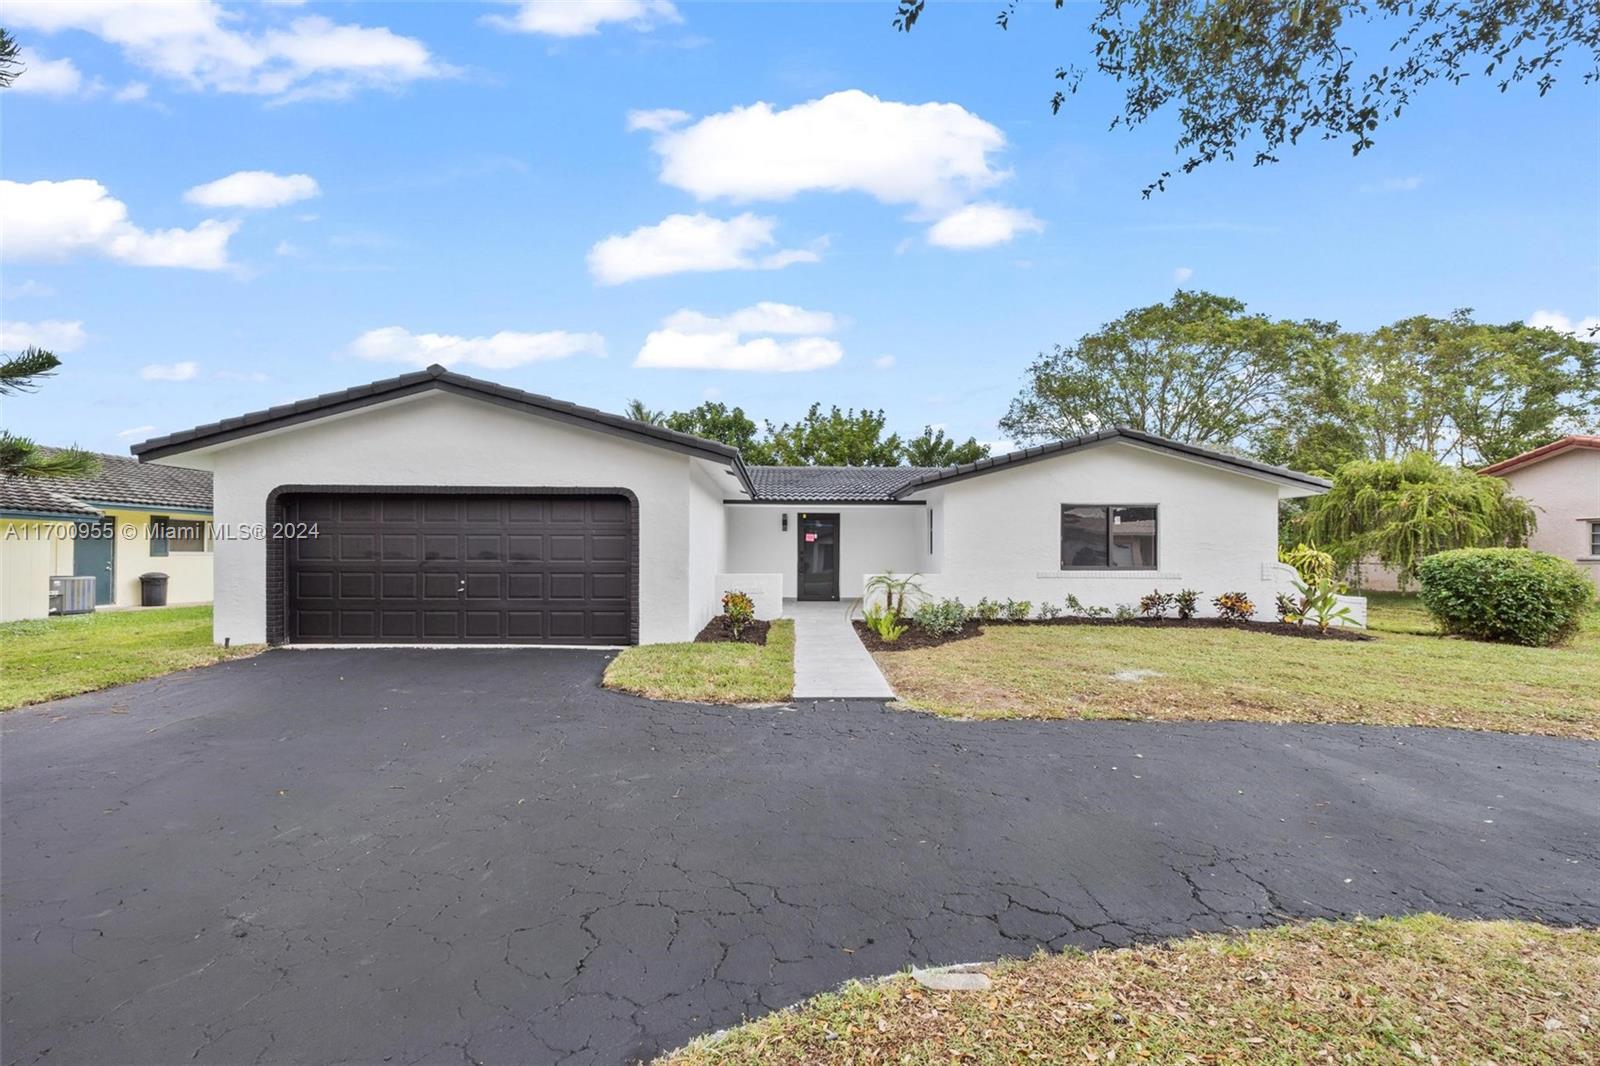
pixel 710 673
pixel 1407 676
pixel 47 658
pixel 1419 989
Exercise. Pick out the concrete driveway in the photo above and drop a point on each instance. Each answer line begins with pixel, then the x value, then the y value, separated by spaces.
pixel 479 856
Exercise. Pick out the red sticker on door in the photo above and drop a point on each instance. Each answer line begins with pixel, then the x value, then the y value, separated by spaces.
pixel 810 537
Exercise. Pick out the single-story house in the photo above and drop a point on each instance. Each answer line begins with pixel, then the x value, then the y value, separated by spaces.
pixel 438 508
pixel 1562 480
pixel 129 518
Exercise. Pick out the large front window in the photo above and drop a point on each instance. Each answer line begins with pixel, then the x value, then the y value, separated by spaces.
pixel 1108 537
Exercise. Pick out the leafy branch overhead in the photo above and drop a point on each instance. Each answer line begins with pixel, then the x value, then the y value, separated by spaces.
pixel 19 456
pixel 1265 73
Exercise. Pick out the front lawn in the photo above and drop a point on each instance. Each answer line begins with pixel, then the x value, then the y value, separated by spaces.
pixel 710 673
pixel 1421 989
pixel 47 658
pixel 1407 676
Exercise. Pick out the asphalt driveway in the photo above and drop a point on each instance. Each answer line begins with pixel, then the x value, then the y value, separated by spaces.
pixel 479 856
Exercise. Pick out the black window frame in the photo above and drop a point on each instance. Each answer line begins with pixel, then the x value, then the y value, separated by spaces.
pixel 1594 538
pixel 164 532
pixel 1109 509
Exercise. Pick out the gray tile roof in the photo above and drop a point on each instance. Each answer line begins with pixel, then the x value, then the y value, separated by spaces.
pixel 817 483
pixel 119 480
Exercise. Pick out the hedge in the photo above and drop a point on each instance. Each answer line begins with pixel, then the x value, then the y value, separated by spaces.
pixel 1505 594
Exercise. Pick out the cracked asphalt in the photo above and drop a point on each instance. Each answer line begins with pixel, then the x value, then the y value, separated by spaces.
pixel 482 857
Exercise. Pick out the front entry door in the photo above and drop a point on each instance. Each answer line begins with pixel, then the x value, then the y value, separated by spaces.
pixel 94 555
pixel 818 571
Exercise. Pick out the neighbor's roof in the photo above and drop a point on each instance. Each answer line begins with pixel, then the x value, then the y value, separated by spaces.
pixel 805 484
pixel 120 480
pixel 434 378
pixel 1547 451
pixel 1211 456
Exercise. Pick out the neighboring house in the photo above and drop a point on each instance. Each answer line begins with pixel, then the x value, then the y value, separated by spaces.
pixel 129 519
pixel 1562 480
pixel 435 507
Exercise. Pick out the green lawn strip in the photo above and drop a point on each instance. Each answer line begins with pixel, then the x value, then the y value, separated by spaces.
pixel 47 658
pixel 710 673
pixel 1417 989
pixel 1207 674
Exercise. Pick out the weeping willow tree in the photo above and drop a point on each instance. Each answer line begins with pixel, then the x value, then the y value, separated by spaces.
pixel 1404 510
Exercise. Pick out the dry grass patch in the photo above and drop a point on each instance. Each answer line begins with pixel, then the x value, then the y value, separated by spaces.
pixel 710 673
pixel 1421 989
pixel 1405 677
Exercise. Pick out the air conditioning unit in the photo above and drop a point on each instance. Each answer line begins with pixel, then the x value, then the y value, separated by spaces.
pixel 71 595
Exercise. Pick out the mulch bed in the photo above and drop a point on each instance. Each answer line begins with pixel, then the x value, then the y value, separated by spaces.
pixel 917 637
pixel 718 631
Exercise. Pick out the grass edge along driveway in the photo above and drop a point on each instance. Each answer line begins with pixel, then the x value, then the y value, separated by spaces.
pixel 48 658
pixel 1422 988
pixel 1407 676
pixel 709 673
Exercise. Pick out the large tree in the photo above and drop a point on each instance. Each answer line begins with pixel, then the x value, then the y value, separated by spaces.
pixel 1403 510
pixel 1453 388
pixel 835 438
pixel 1196 369
pixel 10 59
pixel 933 448
pixel 730 425
pixel 19 456
pixel 1256 76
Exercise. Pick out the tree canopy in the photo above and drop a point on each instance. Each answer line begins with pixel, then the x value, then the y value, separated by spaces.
pixel 1257 76
pixel 933 448
pixel 1196 369
pixel 836 438
pixel 19 456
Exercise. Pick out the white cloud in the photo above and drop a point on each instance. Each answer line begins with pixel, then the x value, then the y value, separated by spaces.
pixel 204 46
pixel 395 344
pixel 691 340
pixel 57 219
pixel 1583 328
pixel 288 248
pixel 658 120
pixel 131 92
pixel 24 289
pixel 570 18
pixel 932 156
pixel 692 243
pixel 883 362
pixel 52 77
pixel 981 225
pixel 51 334
pixel 135 431
pixel 184 371
pixel 1182 274
pixel 254 189
pixel 252 376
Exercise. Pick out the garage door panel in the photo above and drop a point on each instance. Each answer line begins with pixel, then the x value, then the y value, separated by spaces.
pixel 444 568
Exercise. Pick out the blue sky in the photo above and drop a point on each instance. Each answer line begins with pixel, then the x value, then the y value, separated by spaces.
pixel 786 199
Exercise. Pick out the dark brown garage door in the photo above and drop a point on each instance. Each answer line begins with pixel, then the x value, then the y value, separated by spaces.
pixel 458 569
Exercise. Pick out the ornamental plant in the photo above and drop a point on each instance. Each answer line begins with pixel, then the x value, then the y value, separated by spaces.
pixel 1506 594
pixel 740 610
pixel 1157 603
pixel 1188 601
pixel 941 618
pixel 1234 606
pixel 882 621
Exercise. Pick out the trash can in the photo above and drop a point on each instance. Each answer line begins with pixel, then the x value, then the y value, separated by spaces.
pixel 153 590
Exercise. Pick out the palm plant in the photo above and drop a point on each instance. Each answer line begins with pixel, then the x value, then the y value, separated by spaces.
pixel 19 456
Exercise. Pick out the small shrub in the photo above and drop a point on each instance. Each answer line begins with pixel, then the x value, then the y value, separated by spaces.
pixel 1016 610
pixel 987 610
pixel 941 618
pixel 1157 603
pixel 1505 594
pixel 1125 612
pixel 1234 606
pixel 1047 611
pixel 1188 602
pixel 1309 561
pixel 1319 601
pixel 1289 608
pixel 1078 609
pixel 895 590
pixel 882 621
pixel 740 609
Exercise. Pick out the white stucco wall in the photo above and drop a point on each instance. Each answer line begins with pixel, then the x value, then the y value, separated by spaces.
pixel 440 439
pixel 1566 490
pixel 999 534
pixel 872 539
pixel 708 539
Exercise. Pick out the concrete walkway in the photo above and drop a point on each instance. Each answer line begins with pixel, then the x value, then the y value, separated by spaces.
pixel 830 662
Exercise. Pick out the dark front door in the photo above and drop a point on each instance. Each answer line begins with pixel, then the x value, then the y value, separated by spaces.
pixel 818 570
pixel 445 569
pixel 94 554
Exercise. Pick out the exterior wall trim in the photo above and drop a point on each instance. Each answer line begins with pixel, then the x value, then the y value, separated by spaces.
pixel 277 587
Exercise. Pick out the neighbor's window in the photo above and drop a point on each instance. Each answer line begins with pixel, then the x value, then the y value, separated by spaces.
pixel 1594 538
pixel 176 535
pixel 1108 538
